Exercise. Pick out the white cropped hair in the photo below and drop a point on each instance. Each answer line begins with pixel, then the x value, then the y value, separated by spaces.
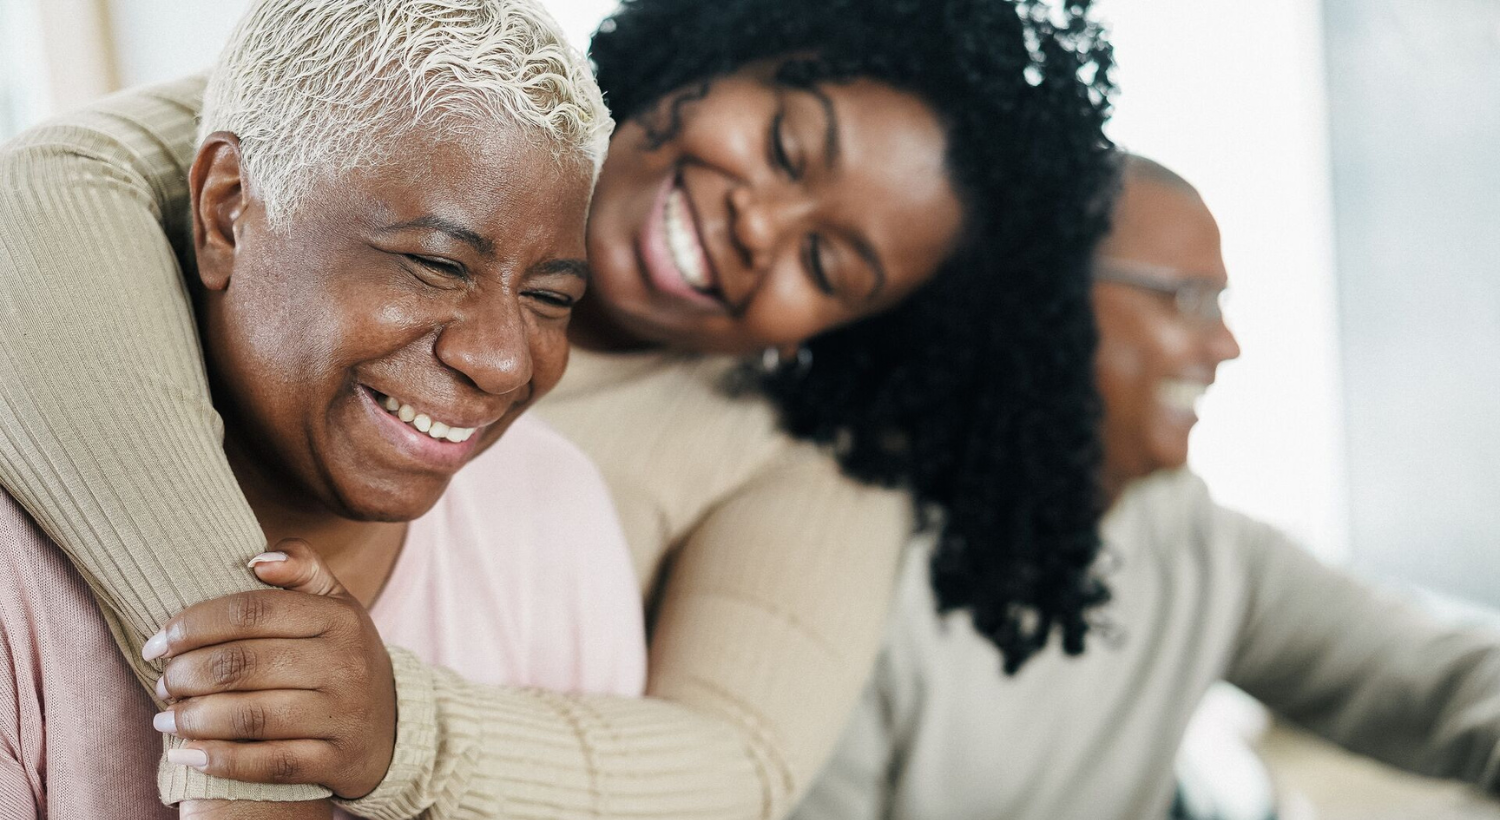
pixel 316 88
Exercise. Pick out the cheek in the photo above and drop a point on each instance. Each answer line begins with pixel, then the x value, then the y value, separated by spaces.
pixel 788 311
pixel 549 355
pixel 277 330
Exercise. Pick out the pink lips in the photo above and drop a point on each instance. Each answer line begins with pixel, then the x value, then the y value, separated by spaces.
pixel 446 456
pixel 661 269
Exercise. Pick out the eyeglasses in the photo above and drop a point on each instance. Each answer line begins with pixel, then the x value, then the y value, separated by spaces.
pixel 1195 299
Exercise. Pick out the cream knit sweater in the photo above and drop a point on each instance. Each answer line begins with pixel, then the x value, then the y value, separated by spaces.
pixel 1201 593
pixel 767 572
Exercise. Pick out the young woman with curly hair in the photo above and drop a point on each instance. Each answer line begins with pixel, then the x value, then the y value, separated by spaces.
pixel 890 204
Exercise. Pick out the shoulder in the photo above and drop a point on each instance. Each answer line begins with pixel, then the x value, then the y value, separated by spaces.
pixel 126 123
pixel 664 403
pixel 141 141
pixel 1164 508
pixel 43 593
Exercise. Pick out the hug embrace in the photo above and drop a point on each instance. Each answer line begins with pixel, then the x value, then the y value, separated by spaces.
pixel 416 418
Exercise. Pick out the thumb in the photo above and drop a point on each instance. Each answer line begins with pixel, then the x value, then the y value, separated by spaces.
pixel 296 566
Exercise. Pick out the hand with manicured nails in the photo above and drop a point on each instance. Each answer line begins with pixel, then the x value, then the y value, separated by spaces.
pixel 299 673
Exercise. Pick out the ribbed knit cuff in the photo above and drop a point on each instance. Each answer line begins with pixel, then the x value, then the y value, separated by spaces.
pixel 178 783
pixel 416 745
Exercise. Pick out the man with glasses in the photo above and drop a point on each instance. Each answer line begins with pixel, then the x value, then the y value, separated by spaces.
pixel 1201 594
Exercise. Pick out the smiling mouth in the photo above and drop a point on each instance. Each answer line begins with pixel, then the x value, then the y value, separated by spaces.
pixel 1181 395
pixel 685 243
pixel 422 422
pixel 671 250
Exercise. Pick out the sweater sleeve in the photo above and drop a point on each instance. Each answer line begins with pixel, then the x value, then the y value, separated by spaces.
pixel 767 625
pixel 769 620
pixel 107 434
pixel 1365 669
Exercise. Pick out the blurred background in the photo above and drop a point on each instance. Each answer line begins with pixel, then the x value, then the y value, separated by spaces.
pixel 1347 149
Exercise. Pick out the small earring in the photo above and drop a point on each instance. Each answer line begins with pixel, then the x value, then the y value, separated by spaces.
pixel 773 361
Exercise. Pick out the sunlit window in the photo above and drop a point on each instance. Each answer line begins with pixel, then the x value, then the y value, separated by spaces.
pixel 23 88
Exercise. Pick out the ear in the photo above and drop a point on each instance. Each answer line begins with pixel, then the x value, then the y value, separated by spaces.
pixel 218 192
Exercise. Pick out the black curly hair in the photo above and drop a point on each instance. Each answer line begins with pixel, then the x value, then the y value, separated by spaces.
pixel 977 393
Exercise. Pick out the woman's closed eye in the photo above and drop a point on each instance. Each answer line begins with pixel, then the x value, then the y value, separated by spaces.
pixel 813 258
pixel 553 298
pixel 784 153
pixel 838 272
pixel 444 267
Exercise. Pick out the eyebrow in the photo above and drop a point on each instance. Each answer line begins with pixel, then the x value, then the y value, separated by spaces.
pixel 831 136
pixel 830 117
pixel 466 235
pixel 566 267
pixel 831 153
pixel 1129 271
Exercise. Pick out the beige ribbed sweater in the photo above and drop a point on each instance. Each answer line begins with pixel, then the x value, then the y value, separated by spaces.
pixel 767 571
pixel 1201 593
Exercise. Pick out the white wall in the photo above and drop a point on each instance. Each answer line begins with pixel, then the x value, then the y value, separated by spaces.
pixel 24 97
pixel 1415 181
pixel 1231 95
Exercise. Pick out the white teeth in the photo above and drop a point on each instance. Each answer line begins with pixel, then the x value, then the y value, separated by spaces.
pixel 424 423
pixel 687 254
pixel 1181 394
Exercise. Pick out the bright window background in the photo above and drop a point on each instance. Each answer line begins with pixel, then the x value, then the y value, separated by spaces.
pixel 24 97
pixel 1231 95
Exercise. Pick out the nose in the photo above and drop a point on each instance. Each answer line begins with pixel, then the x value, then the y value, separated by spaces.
pixel 490 344
pixel 761 220
pixel 1222 344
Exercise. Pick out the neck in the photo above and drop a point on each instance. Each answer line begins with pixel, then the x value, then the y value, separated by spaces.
pixel 1113 483
pixel 361 554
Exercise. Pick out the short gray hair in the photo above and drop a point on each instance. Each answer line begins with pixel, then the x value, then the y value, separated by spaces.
pixel 316 88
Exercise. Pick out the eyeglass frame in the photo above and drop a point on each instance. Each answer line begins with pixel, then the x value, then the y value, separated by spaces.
pixel 1192 298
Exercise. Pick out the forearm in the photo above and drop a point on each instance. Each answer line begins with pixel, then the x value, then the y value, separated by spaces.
pixel 107 433
pixel 1371 671
pixel 766 632
pixel 471 751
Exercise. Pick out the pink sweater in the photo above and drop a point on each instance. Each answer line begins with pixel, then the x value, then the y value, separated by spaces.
pixel 519 575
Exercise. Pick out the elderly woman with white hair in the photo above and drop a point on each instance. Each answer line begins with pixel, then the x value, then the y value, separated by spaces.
pixel 316 305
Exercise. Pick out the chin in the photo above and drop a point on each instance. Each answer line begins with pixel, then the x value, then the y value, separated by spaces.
pixel 388 504
pixel 1171 458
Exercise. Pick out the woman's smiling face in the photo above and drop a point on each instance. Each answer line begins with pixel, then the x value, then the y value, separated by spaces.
pixel 769 213
pixel 397 323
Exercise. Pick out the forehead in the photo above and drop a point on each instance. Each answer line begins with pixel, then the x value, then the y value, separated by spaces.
pixel 893 184
pixel 1167 227
pixel 507 186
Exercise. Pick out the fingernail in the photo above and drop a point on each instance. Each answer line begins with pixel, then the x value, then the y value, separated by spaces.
pixel 165 722
pixel 161 688
pixel 196 758
pixel 267 558
pixel 156 647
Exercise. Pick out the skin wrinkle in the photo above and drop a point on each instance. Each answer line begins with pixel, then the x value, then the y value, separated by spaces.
pixel 314 455
pixel 299 323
